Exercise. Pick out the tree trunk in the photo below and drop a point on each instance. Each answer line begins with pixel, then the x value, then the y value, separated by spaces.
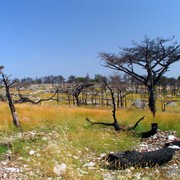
pixel 69 99
pixel 118 100
pixel 125 101
pixel 77 100
pixel 11 105
pixel 152 99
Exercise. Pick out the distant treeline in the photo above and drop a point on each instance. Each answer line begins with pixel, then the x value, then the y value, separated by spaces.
pixel 165 81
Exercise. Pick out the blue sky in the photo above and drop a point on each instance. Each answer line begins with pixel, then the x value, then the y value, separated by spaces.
pixel 64 37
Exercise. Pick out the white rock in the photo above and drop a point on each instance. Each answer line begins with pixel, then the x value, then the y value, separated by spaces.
pixel 38 155
pixel 9 152
pixel 81 171
pixel 127 171
pixel 69 155
pixel 75 157
pixel 31 152
pixel 171 137
pixel 12 170
pixel 25 165
pixel 5 175
pixel 138 175
pixel 145 178
pixel 28 160
pixel 102 155
pixel 44 139
pixel 90 164
pixel 4 163
pixel 107 176
pixel 60 169
pixel 171 104
pixel 20 158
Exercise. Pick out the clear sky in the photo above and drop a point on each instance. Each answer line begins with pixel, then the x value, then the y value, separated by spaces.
pixel 63 37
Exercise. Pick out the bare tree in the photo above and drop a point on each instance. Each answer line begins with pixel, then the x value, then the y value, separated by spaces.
pixel 115 123
pixel 77 89
pixel 8 84
pixel 23 99
pixel 153 57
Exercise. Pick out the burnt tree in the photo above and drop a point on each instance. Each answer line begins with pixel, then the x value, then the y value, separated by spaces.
pixel 153 57
pixel 115 123
pixel 8 84
pixel 24 99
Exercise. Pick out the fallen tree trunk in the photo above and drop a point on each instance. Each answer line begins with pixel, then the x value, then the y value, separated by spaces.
pixel 28 100
pixel 123 160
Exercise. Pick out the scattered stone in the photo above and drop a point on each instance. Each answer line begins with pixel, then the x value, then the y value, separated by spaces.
pixel 171 104
pixel 90 164
pixel 60 169
pixel 145 178
pixel 137 176
pixel 31 152
pixel 38 155
pixel 44 139
pixel 81 171
pixel 5 176
pixel 4 163
pixel 103 155
pixel 13 170
pixel 139 103
pixel 171 137
pixel 75 157
pixel 107 176
pixel 9 169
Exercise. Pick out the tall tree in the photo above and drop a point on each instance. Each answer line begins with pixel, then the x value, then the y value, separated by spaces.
pixel 153 57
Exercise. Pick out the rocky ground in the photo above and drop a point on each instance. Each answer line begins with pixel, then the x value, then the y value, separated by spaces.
pixel 13 169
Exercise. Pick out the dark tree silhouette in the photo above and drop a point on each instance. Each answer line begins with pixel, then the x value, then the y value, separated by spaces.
pixel 153 57
pixel 23 99
pixel 8 84
pixel 75 86
pixel 115 123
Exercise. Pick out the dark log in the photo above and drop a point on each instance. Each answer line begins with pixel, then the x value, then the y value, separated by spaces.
pixel 123 160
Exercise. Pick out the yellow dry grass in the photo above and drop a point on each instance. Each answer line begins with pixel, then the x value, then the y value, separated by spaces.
pixel 34 116
pixel 71 139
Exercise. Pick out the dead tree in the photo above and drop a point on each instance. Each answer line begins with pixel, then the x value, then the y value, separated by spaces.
pixel 154 57
pixel 75 90
pixel 78 88
pixel 23 99
pixel 8 85
pixel 115 124
pixel 126 159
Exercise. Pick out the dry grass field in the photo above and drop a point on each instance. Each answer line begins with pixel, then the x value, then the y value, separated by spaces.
pixel 55 135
